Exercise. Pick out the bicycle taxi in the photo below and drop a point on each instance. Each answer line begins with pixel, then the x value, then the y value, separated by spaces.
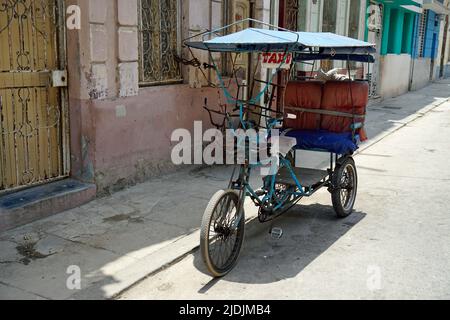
pixel 322 116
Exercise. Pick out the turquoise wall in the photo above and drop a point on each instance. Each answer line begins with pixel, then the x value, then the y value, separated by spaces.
pixel 398 27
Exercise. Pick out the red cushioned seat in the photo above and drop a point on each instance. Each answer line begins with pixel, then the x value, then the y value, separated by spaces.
pixel 306 95
pixel 337 96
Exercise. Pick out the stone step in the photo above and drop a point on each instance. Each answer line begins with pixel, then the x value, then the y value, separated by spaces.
pixel 28 205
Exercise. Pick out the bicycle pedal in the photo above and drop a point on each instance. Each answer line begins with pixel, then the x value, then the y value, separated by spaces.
pixel 260 192
pixel 276 233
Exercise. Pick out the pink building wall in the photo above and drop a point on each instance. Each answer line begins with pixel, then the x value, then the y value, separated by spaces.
pixel 133 147
pixel 120 132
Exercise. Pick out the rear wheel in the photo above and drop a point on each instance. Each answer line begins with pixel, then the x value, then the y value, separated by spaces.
pixel 222 232
pixel 345 186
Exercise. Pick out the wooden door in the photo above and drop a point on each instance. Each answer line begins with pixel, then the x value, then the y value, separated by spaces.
pixel 33 124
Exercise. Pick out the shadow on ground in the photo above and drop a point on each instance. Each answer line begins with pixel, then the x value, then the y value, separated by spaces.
pixel 308 232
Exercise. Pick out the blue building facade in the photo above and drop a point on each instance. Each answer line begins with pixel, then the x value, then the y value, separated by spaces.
pixel 429 43
pixel 426 35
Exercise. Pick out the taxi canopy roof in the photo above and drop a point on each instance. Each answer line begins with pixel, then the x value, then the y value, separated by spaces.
pixel 319 44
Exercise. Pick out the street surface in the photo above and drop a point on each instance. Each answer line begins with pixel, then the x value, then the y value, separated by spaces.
pixel 396 245
pixel 141 242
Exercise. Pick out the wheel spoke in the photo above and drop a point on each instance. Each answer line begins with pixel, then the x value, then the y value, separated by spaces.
pixel 348 187
pixel 224 233
pixel 345 182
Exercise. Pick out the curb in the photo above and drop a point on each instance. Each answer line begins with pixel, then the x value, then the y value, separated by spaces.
pixel 417 115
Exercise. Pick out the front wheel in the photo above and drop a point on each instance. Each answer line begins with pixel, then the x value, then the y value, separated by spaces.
pixel 345 185
pixel 222 232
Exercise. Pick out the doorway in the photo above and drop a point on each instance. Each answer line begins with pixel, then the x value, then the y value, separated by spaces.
pixel 33 100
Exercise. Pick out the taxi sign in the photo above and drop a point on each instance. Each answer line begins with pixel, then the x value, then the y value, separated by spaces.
pixel 276 60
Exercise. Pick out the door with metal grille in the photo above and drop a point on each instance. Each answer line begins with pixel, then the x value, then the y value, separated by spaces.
pixel 33 108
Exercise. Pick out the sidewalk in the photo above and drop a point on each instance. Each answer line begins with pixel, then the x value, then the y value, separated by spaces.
pixel 121 239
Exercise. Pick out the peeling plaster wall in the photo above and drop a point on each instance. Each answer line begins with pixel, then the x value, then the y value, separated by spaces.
pixel 421 73
pixel 394 74
pixel 120 133
pixel 133 134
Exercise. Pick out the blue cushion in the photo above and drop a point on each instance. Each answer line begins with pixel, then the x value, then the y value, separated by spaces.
pixel 340 143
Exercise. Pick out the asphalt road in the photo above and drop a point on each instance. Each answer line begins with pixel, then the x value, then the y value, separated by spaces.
pixel 396 245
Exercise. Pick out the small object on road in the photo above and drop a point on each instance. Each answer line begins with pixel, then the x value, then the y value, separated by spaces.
pixel 276 233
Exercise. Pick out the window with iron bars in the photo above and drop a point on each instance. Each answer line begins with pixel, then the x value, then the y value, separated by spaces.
pixel 159 42
pixel 421 32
